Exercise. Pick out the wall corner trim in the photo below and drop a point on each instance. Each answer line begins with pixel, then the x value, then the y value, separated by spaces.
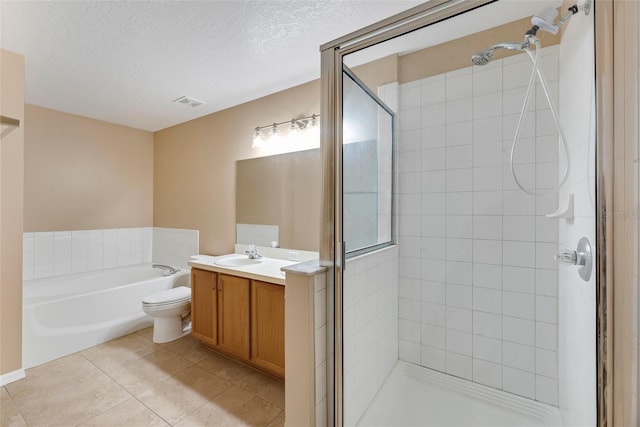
pixel 10 377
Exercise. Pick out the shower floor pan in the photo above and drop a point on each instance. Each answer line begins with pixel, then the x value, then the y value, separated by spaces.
pixel 417 396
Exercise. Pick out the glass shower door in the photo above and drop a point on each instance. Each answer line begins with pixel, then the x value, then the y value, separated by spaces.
pixel 367 146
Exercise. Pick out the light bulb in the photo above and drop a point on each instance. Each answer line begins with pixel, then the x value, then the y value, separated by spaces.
pixel 294 131
pixel 258 141
pixel 275 137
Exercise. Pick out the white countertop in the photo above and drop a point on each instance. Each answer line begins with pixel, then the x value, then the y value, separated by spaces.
pixel 266 271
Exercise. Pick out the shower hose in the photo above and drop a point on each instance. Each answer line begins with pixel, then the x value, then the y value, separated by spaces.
pixel 516 138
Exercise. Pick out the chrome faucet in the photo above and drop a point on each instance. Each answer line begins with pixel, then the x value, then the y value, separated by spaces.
pixel 167 269
pixel 253 252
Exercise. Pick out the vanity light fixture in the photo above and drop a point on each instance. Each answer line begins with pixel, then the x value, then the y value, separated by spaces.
pixel 294 128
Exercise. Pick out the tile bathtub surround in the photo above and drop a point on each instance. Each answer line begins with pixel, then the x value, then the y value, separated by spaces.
pixel 174 246
pixel 58 253
pixel 478 291
pixel 370 298
pixel 132 381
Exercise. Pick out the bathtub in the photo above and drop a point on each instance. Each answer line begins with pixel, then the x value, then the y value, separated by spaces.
pixel 65 314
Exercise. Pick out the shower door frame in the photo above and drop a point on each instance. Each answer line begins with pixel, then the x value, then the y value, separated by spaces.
pixel 331 234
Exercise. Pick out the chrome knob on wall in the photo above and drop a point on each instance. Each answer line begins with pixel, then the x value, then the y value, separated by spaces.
pixel 581 258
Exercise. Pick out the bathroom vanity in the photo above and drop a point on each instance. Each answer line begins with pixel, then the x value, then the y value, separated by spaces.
pixel 239 311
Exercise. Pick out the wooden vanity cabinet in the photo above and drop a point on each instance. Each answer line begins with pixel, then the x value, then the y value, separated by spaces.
pixel 240 317
pixel 204 304
pixel 233 315
pixel 267 327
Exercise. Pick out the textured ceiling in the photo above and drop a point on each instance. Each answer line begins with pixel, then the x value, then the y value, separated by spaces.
pixel 125 61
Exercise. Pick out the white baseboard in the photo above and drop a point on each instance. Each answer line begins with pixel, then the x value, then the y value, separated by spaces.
pixel 11 377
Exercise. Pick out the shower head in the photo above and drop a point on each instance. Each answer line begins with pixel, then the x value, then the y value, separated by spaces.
pixel 483 57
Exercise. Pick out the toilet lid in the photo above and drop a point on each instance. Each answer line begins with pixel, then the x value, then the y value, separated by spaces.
pixel 181 293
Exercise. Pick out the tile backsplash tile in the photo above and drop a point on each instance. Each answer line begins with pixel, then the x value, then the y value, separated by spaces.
pixel 64 252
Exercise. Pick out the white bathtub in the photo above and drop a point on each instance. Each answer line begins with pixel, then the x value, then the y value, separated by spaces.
pixel 65 314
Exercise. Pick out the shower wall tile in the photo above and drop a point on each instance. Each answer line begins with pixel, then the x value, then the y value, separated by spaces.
pixel 487 105
pixel 487 373
pixel 519 356
pixel 488 130
pixel 433 137
pixel 547 390
pixel 409 140
pixel 455 112
pixel 521 331
pixel 487 300
pixel 547 363
pixel 487 81
pixel 487 154
pixel 459 365
pixel 519 382
pixel 483 268
pixel 432 225
pixel 488 349
pixel 433 92
pixel 408 351
pixel 546 336
pixel 519 279
pixel 378 325
pixel 487 324
pixel 409 120
pixel 432 115
pixel 459 87
pixel 459 134
pixel 512 100
pixel 433 181
pixel 487 276
pixel 431 357
pixel 546 282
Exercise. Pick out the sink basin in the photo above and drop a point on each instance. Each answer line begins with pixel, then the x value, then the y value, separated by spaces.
pixel 236 261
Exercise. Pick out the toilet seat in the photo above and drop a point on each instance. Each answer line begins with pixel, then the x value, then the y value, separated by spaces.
pixel 181 294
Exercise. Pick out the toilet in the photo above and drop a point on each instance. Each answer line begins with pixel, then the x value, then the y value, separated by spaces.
pixel 170 310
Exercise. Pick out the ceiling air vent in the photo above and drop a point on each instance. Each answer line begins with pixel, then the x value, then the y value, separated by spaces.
pixel 187 100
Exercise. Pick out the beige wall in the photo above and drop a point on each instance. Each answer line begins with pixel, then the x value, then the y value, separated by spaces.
pixel 378 72
pixel 11 191
pixel 82 173
pixel 194 164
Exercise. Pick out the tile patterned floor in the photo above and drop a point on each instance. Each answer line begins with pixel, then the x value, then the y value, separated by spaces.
pixel 132 381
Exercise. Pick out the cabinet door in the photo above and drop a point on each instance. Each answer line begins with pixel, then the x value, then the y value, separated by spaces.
pixel 204 314
pixel 233 315
pixel 267 327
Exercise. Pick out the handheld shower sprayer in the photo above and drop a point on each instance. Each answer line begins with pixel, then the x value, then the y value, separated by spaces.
pixel 483 57
pixel 543 20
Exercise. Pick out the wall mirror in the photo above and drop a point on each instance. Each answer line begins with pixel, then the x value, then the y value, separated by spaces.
pixel 283 191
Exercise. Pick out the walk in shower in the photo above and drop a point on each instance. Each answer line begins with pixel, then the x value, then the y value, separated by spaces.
pixel 465 164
